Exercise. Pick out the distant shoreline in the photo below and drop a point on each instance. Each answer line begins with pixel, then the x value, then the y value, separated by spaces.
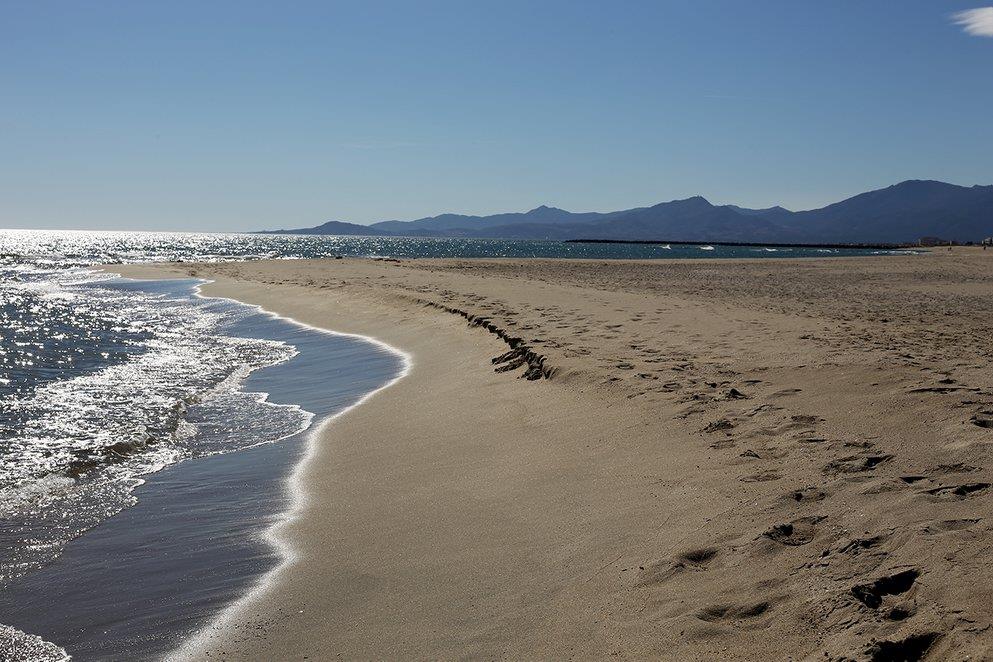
pixel 739 243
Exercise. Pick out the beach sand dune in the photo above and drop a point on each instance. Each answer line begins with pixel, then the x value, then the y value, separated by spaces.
pixel 707 459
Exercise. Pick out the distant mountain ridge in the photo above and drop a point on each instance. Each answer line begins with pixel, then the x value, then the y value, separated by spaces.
pixel 901 213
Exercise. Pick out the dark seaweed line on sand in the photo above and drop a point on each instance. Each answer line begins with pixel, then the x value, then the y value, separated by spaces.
pixel 520 354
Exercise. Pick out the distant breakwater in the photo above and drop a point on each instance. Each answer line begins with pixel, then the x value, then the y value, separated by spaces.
pixel 646 242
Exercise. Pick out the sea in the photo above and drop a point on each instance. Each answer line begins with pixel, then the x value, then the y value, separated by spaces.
pixel 147 433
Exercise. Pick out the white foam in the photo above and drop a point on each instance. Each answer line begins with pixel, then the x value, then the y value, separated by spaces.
pixel 143 400
pixel 18 646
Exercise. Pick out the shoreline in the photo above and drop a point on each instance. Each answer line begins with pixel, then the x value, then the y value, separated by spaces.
pixel 230 498
pixel 725 455
pixel 284 548
pixel 230 629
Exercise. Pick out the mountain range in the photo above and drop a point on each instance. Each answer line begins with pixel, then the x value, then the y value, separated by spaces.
pixel 902 213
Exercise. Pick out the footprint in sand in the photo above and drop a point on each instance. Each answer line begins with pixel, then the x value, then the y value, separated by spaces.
pixel 955 468
pixel 761 477
pixel 796 423
pixel 805 495
pixel 797 533
pixel 949 525
pixel 719 425
pixel 732 612
pixel 762 408
pixel 857 546
pixel 913 647
pixel 957 491
pixel 871 594
pixel 855 464
pixel 723 443
pixel 693 560
pixel 983 419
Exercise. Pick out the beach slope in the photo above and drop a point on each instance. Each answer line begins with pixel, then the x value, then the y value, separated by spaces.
pixel 699 459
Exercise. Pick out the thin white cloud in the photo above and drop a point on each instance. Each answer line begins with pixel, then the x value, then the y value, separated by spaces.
pixel 977 22
pixel 382 144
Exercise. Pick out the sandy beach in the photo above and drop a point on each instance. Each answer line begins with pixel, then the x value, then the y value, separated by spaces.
pixel 676 459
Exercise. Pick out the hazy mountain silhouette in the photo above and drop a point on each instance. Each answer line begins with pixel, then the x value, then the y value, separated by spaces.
pixel 901 213
pixel 447 222
pixel 692 219
pixel 331 227
pixel 769 212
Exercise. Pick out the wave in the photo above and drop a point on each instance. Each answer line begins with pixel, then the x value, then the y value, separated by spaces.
pixel 18 646
pixel 133 385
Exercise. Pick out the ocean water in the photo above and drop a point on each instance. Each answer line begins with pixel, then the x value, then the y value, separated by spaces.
pixel 83 248
pixel 146 432
pixel 185 538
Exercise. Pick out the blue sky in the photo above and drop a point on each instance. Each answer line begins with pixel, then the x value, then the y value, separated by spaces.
pixel 244 115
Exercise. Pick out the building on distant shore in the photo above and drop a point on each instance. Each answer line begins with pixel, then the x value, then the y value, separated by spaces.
pixel 988 241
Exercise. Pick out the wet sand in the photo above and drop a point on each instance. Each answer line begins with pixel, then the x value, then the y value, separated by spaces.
pixel 732 459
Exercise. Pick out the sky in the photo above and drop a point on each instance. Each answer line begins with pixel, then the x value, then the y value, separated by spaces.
pixel 227 116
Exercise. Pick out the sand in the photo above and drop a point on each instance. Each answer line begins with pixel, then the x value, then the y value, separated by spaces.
pixel 716 459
